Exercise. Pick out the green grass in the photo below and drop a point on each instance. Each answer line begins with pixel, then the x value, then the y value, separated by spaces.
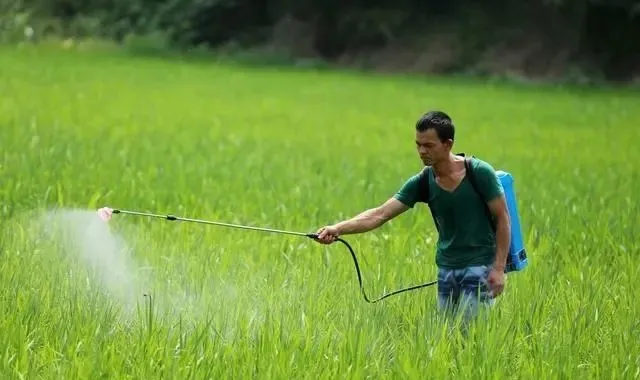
pixel 213 141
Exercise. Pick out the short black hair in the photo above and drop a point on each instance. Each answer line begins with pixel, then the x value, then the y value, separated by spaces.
pixel 440 121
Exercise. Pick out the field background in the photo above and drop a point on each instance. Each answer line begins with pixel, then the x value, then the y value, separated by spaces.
pixel 297 149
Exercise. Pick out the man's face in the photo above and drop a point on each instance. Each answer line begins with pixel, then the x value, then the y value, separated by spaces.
pixel 430 148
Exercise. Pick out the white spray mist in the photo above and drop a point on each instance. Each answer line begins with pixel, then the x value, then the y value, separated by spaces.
pixel 91 246
pixel 105 254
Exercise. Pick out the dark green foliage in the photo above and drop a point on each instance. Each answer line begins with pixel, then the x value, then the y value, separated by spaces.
pixel 600 35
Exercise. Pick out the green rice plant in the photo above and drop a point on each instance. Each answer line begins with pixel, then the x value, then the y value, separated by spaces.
pixel 296 150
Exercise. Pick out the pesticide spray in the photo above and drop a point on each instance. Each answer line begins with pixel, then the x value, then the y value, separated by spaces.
pixel 128 271
pixel 87 244
pixel 97 260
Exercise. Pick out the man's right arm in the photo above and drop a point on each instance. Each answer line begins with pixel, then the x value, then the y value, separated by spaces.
pixel 371 218
pixel 375 217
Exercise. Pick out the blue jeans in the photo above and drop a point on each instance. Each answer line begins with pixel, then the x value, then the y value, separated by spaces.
pixel 464 290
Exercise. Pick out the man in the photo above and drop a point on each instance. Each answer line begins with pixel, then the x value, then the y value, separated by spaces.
pixel 470 257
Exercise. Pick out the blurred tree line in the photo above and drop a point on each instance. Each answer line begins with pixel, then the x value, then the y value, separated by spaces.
pixel 600 36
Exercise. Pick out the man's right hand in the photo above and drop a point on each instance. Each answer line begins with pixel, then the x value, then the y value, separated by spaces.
pixel 327 235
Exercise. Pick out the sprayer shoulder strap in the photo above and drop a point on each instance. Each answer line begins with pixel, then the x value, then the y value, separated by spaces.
pixel 472 179
pixel 471 175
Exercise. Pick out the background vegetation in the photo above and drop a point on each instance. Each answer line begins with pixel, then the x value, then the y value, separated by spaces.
pixel 581 41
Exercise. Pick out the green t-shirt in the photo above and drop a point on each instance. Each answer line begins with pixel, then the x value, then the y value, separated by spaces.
pixel 465 234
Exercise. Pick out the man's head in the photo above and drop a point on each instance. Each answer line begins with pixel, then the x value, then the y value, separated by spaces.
pixel 435 133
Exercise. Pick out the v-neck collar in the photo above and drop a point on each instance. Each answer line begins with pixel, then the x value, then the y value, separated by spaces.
pixel 446 191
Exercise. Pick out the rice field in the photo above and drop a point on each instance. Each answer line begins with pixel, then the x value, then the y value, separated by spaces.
pixel 295 150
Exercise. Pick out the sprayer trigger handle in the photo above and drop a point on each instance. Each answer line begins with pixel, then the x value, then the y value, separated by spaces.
pixel 313 235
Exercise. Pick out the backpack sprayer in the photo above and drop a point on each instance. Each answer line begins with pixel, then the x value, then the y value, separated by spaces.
pixel 308 235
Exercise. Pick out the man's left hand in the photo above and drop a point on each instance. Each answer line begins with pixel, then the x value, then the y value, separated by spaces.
pixel 496 281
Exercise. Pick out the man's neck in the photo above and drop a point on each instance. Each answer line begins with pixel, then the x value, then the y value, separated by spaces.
pixel 444 168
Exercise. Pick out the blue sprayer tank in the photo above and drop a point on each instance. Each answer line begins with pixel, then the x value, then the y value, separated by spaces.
pixel 517 257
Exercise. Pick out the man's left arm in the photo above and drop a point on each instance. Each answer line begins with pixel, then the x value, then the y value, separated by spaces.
pixel 495 198
pixel 498 207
